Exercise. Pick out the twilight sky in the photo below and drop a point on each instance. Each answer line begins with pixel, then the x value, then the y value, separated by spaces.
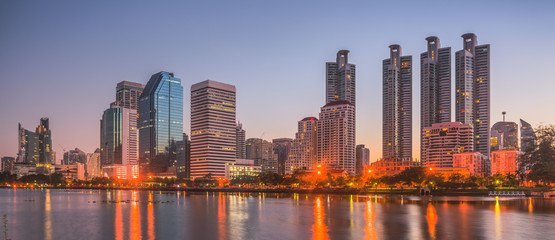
pixel 63 59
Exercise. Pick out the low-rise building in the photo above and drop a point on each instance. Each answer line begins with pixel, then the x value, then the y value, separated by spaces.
pixel 504 162
pixel 392 166
pixel 241 168
pixel 474 162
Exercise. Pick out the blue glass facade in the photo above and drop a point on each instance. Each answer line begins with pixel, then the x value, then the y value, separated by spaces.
pixel 160 123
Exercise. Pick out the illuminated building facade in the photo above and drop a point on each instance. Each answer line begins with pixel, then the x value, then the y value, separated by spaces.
pixel 213 129
pixel 509 133
pixel 35 147
pixel 504 162
pixel 160 124
pixel 341 79
pixel 472 95
pixel 241 168
pixel 93 165
pixel 391 166
pixel 397 105
pixel 6 165
pixel 442 140
pixel 435 84
pixel 474 162
pixel 304 147
pixel 128 94
pixel 240 149
pixel 336 136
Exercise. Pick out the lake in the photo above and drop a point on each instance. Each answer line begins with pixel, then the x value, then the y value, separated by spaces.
pixel 124 214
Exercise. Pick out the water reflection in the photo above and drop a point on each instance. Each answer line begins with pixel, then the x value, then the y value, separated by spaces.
pixel 369 214
pixel 118 222
pixel 47 216
pixel 135 218
pixel 319 229
pixel 431 217
pixel 497 219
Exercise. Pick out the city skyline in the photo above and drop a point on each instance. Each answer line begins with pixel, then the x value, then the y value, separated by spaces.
pixel 257 93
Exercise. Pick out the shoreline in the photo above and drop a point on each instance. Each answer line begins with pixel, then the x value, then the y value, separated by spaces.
pixel 410 192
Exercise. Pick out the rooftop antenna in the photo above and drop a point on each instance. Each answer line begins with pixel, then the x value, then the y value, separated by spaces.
pixel 503 115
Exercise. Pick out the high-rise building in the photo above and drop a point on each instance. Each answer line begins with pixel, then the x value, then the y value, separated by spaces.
pixel 73 157
pixel 213 129
pixel 504 162
pixel 435 84
pixel 160 124
pixel 496 141
pixel 362 158
pixel 183 169
pixel 119 143
pixel 6 165
pixel 128 94
pixel 442 140
pixel 93 165
pixel 262 152
pixel 240 150
pixel 303 152
pixel 336 136
pixel 282 149
pixel 341 79
pixel 35 147
pixel 472 95
pixel 509 131
pixel 527 136
pixel 397 105
pixel 474 162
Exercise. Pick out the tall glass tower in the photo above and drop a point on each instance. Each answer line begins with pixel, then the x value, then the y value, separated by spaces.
pixel 160 123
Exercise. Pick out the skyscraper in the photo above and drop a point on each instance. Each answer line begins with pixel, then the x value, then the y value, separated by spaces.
pixel 341 79
pixel 213 129
pixel 472 95
pixel 435 84
pixel 282 148
pixel 303 152
pixel 509 131
pixel 128 94
pixel 397 105
pixel 73 157
pixel 160 123
pixel 35 147
pixel 183 157
pixel 336 136
pixel 262 152
pixel 240 143
pixel 527 136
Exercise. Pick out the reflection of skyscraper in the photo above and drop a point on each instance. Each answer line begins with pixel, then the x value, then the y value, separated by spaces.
pixel 397 105
pixel 527 136
pixel 341 79
pixel 336 136
pixel 160 122
pixel 213 138
pixel 472 96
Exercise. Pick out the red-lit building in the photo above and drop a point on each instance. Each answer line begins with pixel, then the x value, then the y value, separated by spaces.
pixel 392 166
pixel 474 162
pixel 504 162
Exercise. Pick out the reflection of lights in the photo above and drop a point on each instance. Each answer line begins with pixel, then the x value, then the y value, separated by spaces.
pixel 530 207
pixel 370 230
pixel 497 219
pixel 319 229
pixel 431 217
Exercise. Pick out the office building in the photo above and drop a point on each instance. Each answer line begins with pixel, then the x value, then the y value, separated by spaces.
pixel 213 129
pixel 336 136
pixel 303 152
pixel 442 140
pixel 362 158
pixel 282 149
pixel 527 136
pixel 341 79
pixel 73 157
pixel 240 150
pixel 262 152
pixel 397 105
pixel 128 94
pixel 241 169
pixel 160 124
pixel 183 168
pixel 509 133
pixel 45 142
pixel 6 165
pixel 472 95
pixel 35 147
pixel 93 167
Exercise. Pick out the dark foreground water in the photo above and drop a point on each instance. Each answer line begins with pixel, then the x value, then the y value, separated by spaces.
pixel 92 214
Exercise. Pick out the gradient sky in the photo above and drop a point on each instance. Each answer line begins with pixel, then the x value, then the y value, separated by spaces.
pixel 63 59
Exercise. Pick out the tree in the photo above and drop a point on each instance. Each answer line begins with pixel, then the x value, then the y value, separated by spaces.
pixel 411 176
pixel 539 159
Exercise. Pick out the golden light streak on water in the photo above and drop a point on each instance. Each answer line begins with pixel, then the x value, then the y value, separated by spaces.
pixel 497 219
pixel 150 217
pixel 135 218
pixel 370 216
pixel 222 218
pixel 530 206
pixel 319 229
pixel 431 217
pixel 118 222
pixel 48 217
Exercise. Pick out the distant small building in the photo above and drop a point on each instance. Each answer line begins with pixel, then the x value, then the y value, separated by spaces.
pixel 241 168
pixel 504 162
pixel 22 169
pixel 73 172
pixel 392 166
pixel 474 162
pixel 6 165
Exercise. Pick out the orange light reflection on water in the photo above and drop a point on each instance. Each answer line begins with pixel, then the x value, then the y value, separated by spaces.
pixel 369 214
pixel 118 221
pixel 150 217
pixel 135 218
pixel 221 217
pixel 497 219
pixel 431 217
pixel 319 229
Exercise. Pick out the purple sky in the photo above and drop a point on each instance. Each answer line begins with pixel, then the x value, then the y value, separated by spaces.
pixel 63 59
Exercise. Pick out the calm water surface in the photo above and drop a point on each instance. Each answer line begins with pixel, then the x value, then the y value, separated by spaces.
pixel 113 214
